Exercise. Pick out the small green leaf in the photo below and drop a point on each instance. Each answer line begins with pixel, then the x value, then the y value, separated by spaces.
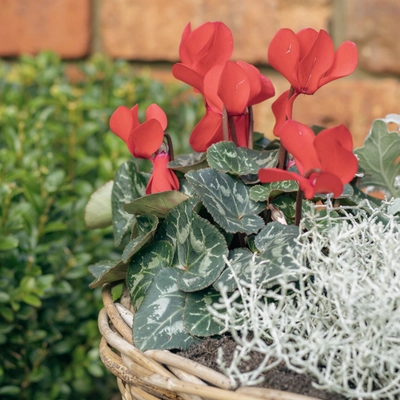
pixel 32 300
pixel 271 190
pixel 143 231
pixel 98 213
pixel 129 184
pixel 226 157
pixel 8 243
pixel 158 324
pixel 379 158
pixel 198 247
pixel 158 204
pixel 227 199
pixel 188 162
pixel 144 266
pixel 196 317
pixel 10 390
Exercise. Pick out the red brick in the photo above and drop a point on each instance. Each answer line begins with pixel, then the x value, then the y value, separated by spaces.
pixel 373 25
pixel 353 102
pixel 151 29
pixel 32 26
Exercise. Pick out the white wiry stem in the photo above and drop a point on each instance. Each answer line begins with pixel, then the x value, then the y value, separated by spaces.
pixel 340 321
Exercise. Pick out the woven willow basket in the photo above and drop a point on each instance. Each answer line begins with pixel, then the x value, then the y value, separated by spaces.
pixel 160 374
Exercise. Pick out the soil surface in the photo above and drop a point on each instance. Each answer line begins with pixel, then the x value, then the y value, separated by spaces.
pixel 279 378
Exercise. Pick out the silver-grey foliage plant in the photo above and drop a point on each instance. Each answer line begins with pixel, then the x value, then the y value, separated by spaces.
pixel 340 321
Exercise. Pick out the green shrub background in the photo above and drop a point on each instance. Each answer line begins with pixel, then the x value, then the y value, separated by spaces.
pixel 55 150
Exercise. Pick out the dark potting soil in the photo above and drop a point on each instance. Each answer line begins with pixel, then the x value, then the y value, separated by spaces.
pixel 279 378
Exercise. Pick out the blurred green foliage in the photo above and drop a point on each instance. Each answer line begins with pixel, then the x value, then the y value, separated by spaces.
pixel 55 150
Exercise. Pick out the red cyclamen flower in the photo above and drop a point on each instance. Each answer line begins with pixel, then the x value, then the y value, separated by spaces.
pixel 325 162
pixel 145 140
pixel 308 61
pixel 235 86
pixel 208 45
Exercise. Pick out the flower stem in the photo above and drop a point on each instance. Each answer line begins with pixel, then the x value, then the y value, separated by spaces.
pixel 251 128
pixel 225 128
pixel 233 130
pixel 170 146
pixel 299 203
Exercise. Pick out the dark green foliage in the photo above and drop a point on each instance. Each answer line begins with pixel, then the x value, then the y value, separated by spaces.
pixel 55 150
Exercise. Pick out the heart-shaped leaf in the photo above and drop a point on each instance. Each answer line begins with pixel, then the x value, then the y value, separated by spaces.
pixel 198 247
pixel 107 271
pixel 188 162
pixel 226 157
pixel 98 213
pixel 196 317
pixel 228 200
pixel 158 204
pixel 129 184
pixel 271 190
pixel 158 324
pixel 144 266
pixel 142 232
pixel 379 158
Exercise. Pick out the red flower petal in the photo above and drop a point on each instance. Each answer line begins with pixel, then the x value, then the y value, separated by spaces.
pixel 146 139
pixel 315 64
pixel 156 112
pixel 306 39
pixel 254 76
pixel 242 129
pixel 298 139
pixel 284 53
pixel 162 178
pixel 282 110
pixel 207 132
pixel 184 54
pixel 234 88
pixel 210 85
pixel 334 147
pixel 188 75
pixel 121 122
pixel 267 91
pixel 326 182
pixel 345 62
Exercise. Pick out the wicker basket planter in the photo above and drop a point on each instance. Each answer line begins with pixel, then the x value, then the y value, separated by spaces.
pixel 160 374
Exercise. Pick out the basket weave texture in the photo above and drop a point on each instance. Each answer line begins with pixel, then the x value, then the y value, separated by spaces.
pixel 160 374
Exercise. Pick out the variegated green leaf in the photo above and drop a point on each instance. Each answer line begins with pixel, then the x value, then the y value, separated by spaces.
pixel 158 204
pixel 197 244
pixel 240 260
pixel 228 200
pixel 188 162
pixel 347 192
pixel 129 184
pixel 226 157
pixel 98 213
pixel 107 271
pixel 144 266
pixel 197 319
pixel 142 232
pixel 273 242
pixel 272 190
pixel 158 324
pixel 287 204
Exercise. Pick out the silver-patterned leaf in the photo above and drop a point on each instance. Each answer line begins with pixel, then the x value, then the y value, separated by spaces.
pixel 144 266
pixel 158 324
pixel 107 271
pixel 226 157
pixel 198 246
pixel 196 317
pixel 142 232
pixel 188 162
pixel 272 190
pixel 129 184
pixel 228 200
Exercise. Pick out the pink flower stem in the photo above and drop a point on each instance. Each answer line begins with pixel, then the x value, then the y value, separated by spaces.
pixel 251 128
pixel 233 130
pixel 299 204
pixel 170 146
pixel 225 128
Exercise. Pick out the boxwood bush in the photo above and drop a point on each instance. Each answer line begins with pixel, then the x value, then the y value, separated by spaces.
pixel 55 149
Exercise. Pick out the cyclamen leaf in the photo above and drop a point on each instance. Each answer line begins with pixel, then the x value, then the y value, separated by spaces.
pixel 228 200
pixel 158 204
pixel 158 324
pixel 142 232
pixel 226 157
pixel 273 241
pixel 129 184
pixel 98 213
pixel 144 266
pixel 198 247
pixel 107 271
pixel 272 190
pixel 187 162
pixel 197 319
pixel 379 158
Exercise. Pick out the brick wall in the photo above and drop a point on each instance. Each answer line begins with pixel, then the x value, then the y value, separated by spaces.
pixel 150 30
